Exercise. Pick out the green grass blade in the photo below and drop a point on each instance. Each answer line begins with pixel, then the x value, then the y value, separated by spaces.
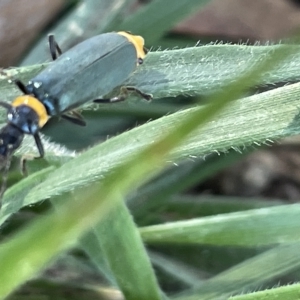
pixel 71 219
pixel 14 197
pixel 186 274
pixel 183 207
pixel 260 227
pixel 90 244
pixel 279 105
pixel 188 206
pixel 47 236
pixel 133 271
pixel 247 275
pixel 290 292
pixel 177 179
pixel 56 153
pixel 190 71
pixel 43 238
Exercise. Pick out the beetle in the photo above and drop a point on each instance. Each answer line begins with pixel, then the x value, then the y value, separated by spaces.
pixel 88 70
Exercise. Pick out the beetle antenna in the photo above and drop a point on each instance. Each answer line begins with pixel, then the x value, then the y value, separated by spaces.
pixel 5 105
pixel 55 50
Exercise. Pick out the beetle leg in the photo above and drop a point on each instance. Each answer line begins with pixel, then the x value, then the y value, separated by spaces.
pixel 4 178
pixel 124 92
pixel 23 163
pixel 121 97
pixel 75 118
pixel 55 50
pixel 146 96
pixel 26 157
pixel 21 86
pixel 39 145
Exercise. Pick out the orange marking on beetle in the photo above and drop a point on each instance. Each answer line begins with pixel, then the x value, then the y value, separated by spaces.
pixel 137 41
pixel 34 104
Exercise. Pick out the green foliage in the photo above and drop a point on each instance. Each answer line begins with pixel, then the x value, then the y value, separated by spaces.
pixel 148 167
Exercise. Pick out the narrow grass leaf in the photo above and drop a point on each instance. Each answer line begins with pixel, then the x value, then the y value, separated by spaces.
pixel 186 274
pixel 179 178
pixel 13 200
pixel 54 232
pixel 260 227
pixel 191 71
pixel 290 292
pixel 188 206
pixel 124 250
pixel 90 244
pixel 272 115
pixel 247 275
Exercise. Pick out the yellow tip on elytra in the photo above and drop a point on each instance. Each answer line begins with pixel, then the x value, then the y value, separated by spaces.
pixel 34 104
pixel 137 41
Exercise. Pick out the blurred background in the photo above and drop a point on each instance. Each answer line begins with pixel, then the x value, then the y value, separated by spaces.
pixel 22 23
pixel 262 172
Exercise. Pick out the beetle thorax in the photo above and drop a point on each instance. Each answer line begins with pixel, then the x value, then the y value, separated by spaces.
pixel 28 114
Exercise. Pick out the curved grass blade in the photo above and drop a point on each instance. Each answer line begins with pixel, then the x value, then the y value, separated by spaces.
pixel 49 235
